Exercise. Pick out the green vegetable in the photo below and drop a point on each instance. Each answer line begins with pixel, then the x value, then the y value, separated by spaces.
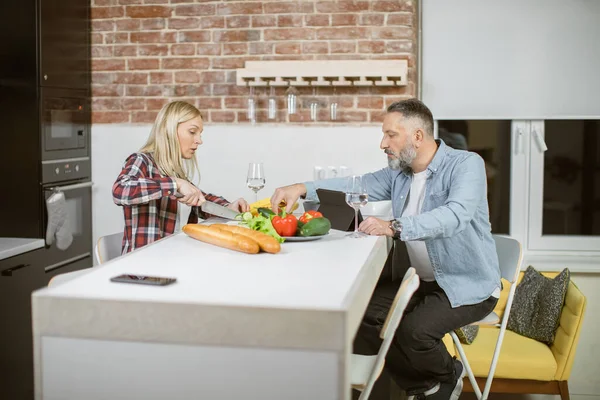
pixel 300 225
pixel 315 227
pixel 247 216
pixel 265 212
pixel 261 224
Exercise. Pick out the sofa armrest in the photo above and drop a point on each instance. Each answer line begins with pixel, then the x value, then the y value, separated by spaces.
pixel 567 334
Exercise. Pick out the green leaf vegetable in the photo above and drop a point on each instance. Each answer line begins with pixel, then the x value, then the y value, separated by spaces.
pixel 260 223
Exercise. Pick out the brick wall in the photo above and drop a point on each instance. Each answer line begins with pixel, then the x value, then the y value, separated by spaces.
pixel 148 52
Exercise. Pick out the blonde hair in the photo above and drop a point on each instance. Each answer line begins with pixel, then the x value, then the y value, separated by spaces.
pixel 163 143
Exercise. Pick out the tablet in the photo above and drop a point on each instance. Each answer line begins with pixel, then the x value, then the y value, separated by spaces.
pixel 333 206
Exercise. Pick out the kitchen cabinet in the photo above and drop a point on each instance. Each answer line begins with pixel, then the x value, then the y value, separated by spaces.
pixel 49 43
pixel 44 63
pixel 19 276
pixel 64 44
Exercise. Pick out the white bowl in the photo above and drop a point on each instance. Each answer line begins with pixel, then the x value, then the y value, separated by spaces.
pixel 379 209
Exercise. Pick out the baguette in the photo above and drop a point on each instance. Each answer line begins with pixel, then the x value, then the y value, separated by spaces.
pixel 266 242
pixel 221 238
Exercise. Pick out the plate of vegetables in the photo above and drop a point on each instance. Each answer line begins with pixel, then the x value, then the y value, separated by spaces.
pixel 302 238
pixel 311 225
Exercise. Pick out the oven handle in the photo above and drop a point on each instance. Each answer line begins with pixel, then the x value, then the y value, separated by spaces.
pixel 71 187
pixel 66 262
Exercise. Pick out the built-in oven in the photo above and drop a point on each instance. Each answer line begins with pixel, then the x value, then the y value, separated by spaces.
pixel 65 123
pixel 71 177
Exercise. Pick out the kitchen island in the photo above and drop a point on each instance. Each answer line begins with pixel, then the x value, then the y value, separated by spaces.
pixel 233 326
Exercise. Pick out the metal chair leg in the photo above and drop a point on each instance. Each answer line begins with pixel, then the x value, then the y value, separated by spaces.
pixel 463 359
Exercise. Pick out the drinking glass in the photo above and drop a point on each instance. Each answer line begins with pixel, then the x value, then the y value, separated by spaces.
pixel 272 104
pixel 256 178
pixel 251 107
pixel 292 98
pixel 356 197
pixel 333 106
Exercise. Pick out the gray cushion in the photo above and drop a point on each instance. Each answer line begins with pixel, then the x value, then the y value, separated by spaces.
pixel 538 303
pixel 467 334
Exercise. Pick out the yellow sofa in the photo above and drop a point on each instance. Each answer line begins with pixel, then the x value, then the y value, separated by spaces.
pixel 526 365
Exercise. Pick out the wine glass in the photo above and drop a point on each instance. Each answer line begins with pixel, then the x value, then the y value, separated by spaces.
pixel 256 178
pixel 356 197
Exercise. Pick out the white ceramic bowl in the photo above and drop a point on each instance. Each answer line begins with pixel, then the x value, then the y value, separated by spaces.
pixel 379 209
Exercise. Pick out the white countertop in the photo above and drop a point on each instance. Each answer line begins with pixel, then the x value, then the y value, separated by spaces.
pixel 311 295
pixel 304 275
pixel 10 247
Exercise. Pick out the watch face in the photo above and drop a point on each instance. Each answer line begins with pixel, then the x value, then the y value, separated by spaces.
pixel 396 225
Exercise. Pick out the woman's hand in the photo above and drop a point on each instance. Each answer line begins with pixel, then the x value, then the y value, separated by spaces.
pixel 240 205
pixel 192 196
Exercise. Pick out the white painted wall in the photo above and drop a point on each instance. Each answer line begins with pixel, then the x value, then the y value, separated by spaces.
pixel 289 154
pixel 511 59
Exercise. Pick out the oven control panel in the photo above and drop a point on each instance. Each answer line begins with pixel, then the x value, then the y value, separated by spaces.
pixel 66 170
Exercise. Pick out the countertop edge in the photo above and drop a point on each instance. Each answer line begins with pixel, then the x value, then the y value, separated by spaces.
pixel 192 324
pixel 26 246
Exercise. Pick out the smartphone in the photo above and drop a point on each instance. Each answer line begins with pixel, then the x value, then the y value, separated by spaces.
pixel 143 280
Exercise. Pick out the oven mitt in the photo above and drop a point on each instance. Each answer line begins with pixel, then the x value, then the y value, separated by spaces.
pixel 57 222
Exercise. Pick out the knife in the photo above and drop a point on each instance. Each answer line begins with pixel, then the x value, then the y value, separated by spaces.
pixel 215 209
pixel 218 210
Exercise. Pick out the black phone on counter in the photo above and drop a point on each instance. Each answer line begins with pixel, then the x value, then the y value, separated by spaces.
pixel 143 280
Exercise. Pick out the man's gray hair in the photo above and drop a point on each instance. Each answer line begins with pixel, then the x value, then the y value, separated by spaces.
pixel 414 108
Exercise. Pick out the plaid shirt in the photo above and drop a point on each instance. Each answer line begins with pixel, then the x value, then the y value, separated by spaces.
pixel 148 202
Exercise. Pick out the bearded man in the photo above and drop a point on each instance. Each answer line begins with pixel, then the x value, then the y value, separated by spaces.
pixel 440 210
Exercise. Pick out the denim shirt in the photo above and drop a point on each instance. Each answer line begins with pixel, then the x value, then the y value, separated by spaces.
pixel 454 221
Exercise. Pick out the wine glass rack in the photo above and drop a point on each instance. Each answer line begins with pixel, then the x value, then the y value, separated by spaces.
pixel 323 73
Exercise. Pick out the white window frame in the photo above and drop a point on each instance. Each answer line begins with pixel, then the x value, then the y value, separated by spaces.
pixel 536 240
pixel 519 181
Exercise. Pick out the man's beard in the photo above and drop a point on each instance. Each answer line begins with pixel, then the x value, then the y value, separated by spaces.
pixel 402 160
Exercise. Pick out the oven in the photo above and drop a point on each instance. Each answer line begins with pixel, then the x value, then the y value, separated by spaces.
pixel 65 123
pixel 72 178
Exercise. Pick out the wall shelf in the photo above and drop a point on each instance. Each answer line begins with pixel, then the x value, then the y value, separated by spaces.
pixel 323 73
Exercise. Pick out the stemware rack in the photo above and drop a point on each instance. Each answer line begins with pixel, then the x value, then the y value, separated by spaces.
pixel 323 73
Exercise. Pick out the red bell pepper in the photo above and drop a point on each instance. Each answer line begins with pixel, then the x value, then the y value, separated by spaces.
pixel 308 215
pixel 285 225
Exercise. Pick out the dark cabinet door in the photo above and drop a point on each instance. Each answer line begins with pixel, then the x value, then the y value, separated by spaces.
pixel 19 276
pixel 18 54
pixel 75 264
pixel 64 43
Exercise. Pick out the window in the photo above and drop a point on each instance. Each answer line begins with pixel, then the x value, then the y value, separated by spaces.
pixel 565 185
pixel 491 139
pixel 572 178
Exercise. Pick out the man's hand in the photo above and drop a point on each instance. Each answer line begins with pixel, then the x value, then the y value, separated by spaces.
pixel 289 194
pixel 240 205
pixel 376 227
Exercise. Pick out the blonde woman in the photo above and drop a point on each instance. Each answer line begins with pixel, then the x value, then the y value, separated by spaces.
pixel 165 165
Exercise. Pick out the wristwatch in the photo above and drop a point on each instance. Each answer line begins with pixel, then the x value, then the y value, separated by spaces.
pixel 396 227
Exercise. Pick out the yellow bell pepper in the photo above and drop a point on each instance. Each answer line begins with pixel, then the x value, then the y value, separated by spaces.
pixel 266 203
